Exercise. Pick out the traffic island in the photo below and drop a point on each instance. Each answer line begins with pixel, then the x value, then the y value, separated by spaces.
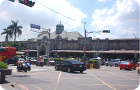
pixel 94 64
pixel 4 72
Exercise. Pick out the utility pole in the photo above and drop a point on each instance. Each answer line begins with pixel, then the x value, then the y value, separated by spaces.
pixel 85 43
pixel 49 44
pixel 135 55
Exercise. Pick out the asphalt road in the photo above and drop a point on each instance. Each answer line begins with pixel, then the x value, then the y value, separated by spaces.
pixel 46 78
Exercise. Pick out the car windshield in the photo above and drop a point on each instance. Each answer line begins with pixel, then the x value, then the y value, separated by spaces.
pixel 124 62
pixel 75 62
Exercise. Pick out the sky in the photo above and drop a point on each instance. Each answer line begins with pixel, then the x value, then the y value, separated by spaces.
pixel 121 17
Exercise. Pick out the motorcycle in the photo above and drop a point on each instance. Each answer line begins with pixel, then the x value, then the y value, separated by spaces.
pixel 22 66
pixel 39 63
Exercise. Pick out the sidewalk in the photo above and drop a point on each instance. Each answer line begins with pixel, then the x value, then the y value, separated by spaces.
pixel 7 86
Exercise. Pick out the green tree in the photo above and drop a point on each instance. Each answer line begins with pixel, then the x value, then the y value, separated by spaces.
pixel 15 29
pixel 14 44
pixel 8 33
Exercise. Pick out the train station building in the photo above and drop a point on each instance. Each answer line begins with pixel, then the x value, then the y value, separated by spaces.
pixel 67 44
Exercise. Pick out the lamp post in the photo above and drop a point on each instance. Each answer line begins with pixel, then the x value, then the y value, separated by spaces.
pixel 85 44
pixel 135 55
pixel 86 33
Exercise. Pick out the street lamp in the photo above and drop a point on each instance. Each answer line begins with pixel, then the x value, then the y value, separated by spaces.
pixel 86 33
pixel 135 55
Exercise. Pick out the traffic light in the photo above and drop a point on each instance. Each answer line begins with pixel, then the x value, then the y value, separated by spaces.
pixel 27 3
pixel 106 31
pixel 12 0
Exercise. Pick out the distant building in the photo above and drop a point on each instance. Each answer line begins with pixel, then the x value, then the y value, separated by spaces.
pixel 71 44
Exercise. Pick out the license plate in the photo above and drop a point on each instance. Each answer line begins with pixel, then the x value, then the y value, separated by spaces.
pixel 80 66
pixel 123 66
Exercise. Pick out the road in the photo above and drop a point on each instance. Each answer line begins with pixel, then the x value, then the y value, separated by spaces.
pixel 46 78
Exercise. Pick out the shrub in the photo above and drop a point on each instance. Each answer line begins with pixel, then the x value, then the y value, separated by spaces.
pixel 3 65
pixel 45 59
pixel 93 61
pixel 58 59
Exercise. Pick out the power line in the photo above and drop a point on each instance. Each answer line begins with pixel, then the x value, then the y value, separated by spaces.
pixel 57 12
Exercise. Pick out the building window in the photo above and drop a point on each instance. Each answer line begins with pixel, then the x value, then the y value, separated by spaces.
pixel 102 47
pixel 94 48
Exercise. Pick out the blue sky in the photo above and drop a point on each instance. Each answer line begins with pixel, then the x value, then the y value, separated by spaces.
pixel 121 17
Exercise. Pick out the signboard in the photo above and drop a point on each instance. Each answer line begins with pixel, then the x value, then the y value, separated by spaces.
pixel 84 48
pixel 35 26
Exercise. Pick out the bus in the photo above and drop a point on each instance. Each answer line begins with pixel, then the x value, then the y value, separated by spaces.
pixel 7 53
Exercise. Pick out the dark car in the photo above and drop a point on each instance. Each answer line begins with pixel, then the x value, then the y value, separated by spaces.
pixel 71 66
pixel 127 65
pixel 12 60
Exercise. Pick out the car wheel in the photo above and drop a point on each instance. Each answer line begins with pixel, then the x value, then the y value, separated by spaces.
pixel 81 71
pixel 134 68
pixel 25 70
pixel 69 70
pixel 56 68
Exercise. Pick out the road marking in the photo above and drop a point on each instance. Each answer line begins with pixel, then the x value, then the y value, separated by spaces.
pixel 36 87
pixel 102 81
pixel 122 76
pixel 23 87
pixel 91 84
pixel 58 79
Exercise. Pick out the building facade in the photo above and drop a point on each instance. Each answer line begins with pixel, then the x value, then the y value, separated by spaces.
pixel 71 43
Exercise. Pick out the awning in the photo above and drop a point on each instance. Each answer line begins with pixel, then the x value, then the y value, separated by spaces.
pixel 19 52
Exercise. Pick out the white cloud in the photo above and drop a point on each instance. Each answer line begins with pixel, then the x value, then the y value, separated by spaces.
pixel 40 15
pixel 122 19
pixel 1 1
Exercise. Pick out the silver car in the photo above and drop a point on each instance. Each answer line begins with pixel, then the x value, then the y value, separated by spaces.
pixel 114 62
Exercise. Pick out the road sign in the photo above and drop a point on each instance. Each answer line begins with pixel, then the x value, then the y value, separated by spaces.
pixel 84 48
pixel 106 31
pixel 35 26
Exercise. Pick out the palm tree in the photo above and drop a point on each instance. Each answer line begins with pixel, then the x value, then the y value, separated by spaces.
pixel 8 33
pixel 16 29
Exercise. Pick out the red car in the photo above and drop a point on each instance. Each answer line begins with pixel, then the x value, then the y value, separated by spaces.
pixel 127 65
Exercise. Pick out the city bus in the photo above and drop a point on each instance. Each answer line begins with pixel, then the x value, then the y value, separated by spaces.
pixel 7 53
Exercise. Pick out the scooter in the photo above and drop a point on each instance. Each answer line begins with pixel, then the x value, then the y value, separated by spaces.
pixel 39 63
pixel 22 66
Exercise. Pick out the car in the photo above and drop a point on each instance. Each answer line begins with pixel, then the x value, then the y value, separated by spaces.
pixel 71 66
pixel 33 60
pixel 114 62
pixel 51 62
pixel 12 60
pixel 127 65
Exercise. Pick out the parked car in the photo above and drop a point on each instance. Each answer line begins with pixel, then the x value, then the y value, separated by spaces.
pixel 51 61
pixel 33 60
pixel 127 65
pixel 106 63
pixel 114 62
pixel 70 66
pixel 12 60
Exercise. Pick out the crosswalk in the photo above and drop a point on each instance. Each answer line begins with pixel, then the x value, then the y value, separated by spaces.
pixel 14 69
